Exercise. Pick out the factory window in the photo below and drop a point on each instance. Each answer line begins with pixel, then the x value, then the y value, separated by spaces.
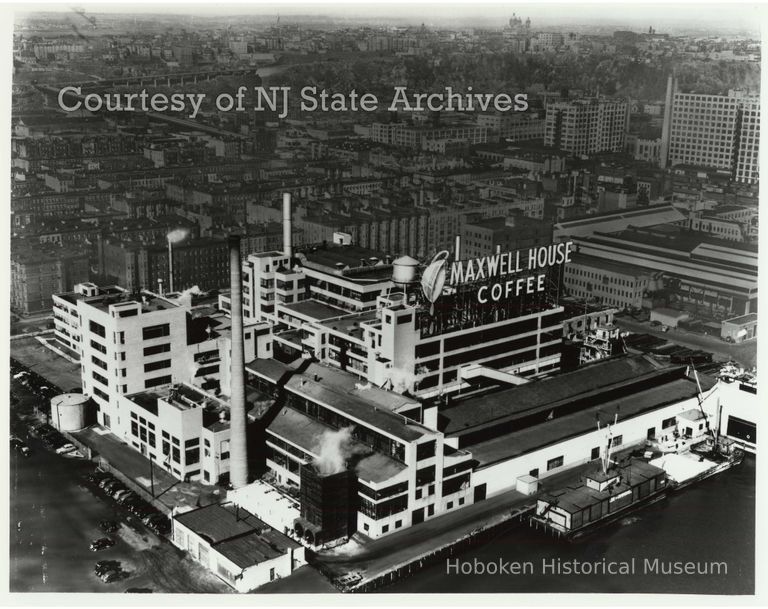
pixel 159 365
pixel 454 485
pixel 668 422
pixel 534 472
pixel 159 380
pixel 431 510
pixel 595 453
pixel 176 454
pixel 428 349
pixel 398 524
pixel 554 463
pixel 101 364
pixel 151 332
pixel 385 528
pixel 98 346
pixel 418 493
pixel 97 329
pixel 100 378
pixel 616 441
pixel 425 450
pixel 101 394
pixel 425 475
pixel 192 456
pixel 461 500
pixel 154 350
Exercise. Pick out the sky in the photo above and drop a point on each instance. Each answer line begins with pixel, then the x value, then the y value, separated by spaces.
pixel 637 15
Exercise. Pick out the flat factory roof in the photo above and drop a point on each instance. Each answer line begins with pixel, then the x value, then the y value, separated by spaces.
pixel 372 406
pixel 578 423
pixel 315 309
pixel 477 411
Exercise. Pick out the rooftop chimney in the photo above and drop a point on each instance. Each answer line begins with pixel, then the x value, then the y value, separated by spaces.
pixel 238 474
pixel 287 228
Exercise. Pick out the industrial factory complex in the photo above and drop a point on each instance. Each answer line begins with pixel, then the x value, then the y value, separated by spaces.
pixel 339 391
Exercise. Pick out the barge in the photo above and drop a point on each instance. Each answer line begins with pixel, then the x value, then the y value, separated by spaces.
pixel 606 494
pixel 603 497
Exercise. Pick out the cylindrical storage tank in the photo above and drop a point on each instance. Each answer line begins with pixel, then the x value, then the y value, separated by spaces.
pixel 404 270
pixel 68 411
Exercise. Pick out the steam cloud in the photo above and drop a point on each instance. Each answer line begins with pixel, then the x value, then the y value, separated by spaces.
pixel 177 235
pixel 401 380
pixel 334 448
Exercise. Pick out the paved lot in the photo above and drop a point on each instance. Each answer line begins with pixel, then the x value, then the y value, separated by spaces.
pixel 169 490
pixel 53 516
pixel 46 363
pixel 744 353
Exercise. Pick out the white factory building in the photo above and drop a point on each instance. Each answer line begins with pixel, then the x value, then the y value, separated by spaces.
pixel 416 460
pixel 158 372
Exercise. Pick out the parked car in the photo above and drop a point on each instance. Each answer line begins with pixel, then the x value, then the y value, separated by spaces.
pixel 120 494
pixel 109 526
pixel 101 544
pixel 150 518
pixel 66 448
pixel 111 576
pixel 20 447
pixel 160 527
pixel 113 486
pixel 103 566
pixel 107 482
pixel 143 510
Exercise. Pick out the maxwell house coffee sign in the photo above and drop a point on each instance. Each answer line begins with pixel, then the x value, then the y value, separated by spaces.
pixel 503 275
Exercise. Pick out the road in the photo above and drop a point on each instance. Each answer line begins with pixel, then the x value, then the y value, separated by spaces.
pixel 744 353
pixel 54 516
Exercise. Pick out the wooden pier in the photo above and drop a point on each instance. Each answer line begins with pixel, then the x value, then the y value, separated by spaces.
pixel 369 582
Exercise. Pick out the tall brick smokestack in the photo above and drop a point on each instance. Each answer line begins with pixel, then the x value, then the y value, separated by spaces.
pixel 287 228
pixel 238 470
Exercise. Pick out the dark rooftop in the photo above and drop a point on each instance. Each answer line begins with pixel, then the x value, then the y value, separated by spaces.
pixel 588 380
pixel 236 534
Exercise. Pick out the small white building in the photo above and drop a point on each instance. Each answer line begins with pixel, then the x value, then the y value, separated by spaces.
pixel 236 546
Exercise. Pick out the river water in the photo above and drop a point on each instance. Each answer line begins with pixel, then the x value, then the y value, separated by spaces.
pixel 711 524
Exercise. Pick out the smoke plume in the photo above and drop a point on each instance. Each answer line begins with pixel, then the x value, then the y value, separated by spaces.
pixel 177 235
pixel 333 450
pixel 185 297
pixel 401 379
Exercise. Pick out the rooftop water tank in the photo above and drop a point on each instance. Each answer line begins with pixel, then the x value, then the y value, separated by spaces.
pixel 404 270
